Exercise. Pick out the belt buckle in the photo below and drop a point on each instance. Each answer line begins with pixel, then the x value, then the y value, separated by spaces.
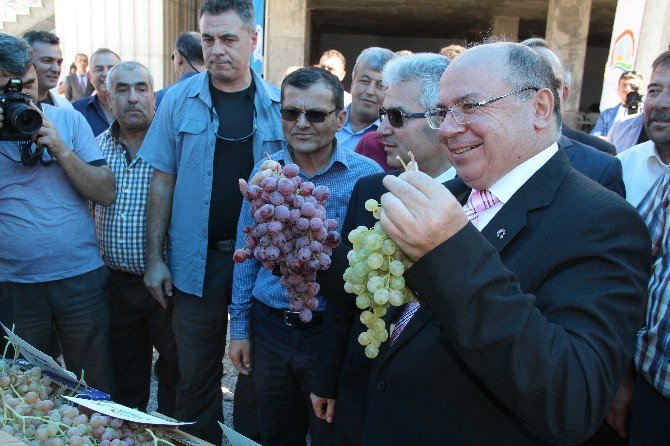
pixel 287 319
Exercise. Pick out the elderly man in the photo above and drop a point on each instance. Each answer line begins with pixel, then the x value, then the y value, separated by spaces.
pixel 284 350
pixel 341 378
pixel 51 273
pixel 48 62
pixel 96 108
pixel 187 59
pixel 367 96
pixel 209 131
pixel 139 323
pixel 527 313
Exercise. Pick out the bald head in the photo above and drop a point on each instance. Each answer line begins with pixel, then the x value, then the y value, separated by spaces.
pixel 556 66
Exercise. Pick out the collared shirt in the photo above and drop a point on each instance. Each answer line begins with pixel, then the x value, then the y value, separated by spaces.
pixel 652 356
pixel 608 117
pixel 92 110
pixel 181 142
pixel 641 166
pixel 121 227
pixel 447 175
pixel 504 188
pixel 46 230
pixel 160 94
pixel 249 278
pixel 625 133
pixel 347 138
pixel 58 100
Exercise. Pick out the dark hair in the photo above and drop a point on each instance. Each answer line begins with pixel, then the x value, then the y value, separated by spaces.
pixel 41 36
pixel 16 56
pixel 188 44
pixel 663 59
pixel 303 78
pixel 243 8
pixel 101 51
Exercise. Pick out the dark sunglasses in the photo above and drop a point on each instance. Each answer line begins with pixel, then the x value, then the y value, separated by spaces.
pixel 313 116
pixel 396 116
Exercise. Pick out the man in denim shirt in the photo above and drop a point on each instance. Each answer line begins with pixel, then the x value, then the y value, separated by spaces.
pixel 209 131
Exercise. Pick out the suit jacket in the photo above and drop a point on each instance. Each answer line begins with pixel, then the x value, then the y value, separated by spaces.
pixel 526 328
pixel 73 91
pixel 589 140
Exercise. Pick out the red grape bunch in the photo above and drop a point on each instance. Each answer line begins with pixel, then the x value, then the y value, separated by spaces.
pixel 291 231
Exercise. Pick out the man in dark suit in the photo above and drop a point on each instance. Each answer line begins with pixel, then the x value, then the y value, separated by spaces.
pixel 78 85
pixel 589 140
pixel 518 338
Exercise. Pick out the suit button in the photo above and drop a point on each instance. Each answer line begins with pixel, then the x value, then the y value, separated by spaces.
pixel 381 385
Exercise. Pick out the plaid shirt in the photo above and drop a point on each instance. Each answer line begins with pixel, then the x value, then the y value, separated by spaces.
pixel 250 280
pixel 652 356
pixel 121 227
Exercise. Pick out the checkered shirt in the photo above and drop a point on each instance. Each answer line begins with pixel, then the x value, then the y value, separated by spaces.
pixel 652 352
pixel 121 227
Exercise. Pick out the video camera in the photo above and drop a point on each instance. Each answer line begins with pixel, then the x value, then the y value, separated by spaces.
pixel 633 100
pixel 20 120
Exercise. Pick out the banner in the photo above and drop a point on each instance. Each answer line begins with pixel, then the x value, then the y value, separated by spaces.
pixel 623 48
pixel 257 55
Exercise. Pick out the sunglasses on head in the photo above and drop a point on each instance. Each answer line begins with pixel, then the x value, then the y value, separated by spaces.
pixel 313 116
pixel 395 116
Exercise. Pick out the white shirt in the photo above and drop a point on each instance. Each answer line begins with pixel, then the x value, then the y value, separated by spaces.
pixel 641 167
pixel 447 175
pixel 58 100
pixel 506 187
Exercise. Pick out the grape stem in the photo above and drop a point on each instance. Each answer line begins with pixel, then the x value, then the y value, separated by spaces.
pixel 158 440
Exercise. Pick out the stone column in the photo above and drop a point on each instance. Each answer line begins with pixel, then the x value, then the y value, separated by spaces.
pixel 567 32
pixel 136 30
pixel 287 37
pixel 654 35
pixel 507 27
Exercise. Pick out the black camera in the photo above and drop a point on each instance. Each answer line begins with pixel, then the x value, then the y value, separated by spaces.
pixel 633 100
pixel 20 120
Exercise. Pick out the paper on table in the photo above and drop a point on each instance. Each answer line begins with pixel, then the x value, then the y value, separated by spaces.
pixel 125 413
pixel 237 439
pixel 39 359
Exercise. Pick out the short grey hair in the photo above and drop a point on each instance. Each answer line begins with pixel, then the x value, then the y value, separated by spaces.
pixel 425 67
pixel 127 65
pixel 567 74
pixel 243 8
pixel 373 58
pixel 16 56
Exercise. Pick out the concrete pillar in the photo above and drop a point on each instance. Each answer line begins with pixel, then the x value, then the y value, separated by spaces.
pixel 287 37
pixel 135 30
pixel 567 32
pixel 654 35
pixel 507 27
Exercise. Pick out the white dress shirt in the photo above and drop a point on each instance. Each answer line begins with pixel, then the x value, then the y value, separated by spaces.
pixel 447 175
pixel 641 167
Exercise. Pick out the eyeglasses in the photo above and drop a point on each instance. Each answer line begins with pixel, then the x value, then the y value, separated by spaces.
pixel 236 140
pixel 465 112
pixel 313 116
pixel 395 116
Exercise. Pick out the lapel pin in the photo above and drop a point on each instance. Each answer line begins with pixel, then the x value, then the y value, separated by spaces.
pixel 500 233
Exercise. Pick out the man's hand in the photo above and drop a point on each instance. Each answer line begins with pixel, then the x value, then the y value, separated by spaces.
pixel 158 280
pixel 240 354
pixel 623 399
pixel 264 171
pixel 419 213
pixel 48 136
pixel 324 408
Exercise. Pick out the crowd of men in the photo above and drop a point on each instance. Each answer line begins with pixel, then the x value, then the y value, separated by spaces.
pixel 540 258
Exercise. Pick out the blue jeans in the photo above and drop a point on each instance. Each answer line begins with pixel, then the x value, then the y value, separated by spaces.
pixel 78 308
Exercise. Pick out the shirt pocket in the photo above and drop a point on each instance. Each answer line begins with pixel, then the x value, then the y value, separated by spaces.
pixel 192 137
pixel 272 139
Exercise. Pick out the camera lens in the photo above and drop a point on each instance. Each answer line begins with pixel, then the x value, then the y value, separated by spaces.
pixel 25 119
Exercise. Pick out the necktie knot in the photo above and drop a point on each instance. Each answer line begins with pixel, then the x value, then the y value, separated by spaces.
pixel 478 203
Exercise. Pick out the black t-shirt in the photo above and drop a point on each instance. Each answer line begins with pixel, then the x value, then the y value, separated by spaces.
pixel 232 160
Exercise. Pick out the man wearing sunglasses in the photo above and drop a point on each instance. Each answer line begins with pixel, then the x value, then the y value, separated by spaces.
pixel 51 273
pixel 284 354
pixel 187 60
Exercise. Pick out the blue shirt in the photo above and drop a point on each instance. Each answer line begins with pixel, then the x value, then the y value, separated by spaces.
pixel 605 121
pixel 250 278
pixel 46 230
pixel 181 142
pixel 347 138
pixel 624 134
pixel 92 110
pixel 161 93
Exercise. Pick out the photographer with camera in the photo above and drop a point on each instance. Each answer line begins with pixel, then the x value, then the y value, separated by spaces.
pixel 51 272
pixel 629 82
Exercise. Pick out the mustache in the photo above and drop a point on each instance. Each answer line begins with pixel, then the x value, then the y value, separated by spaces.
pixel 659 115
pixel 138 109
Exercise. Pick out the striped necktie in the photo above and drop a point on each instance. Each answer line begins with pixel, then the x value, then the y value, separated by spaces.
pixel 479 201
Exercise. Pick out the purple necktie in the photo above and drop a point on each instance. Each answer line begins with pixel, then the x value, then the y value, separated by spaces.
pixel 403 320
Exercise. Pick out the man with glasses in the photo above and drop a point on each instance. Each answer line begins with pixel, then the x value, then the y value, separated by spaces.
pixel 529 294
pixel 51 273
pixel 187 60
pixel 284 348
pixel 209 131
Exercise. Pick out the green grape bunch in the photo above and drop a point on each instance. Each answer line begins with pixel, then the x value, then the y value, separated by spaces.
pixel 375 276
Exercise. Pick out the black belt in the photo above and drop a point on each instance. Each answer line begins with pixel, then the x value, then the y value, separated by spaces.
pixel 223 245
pixel 292 318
